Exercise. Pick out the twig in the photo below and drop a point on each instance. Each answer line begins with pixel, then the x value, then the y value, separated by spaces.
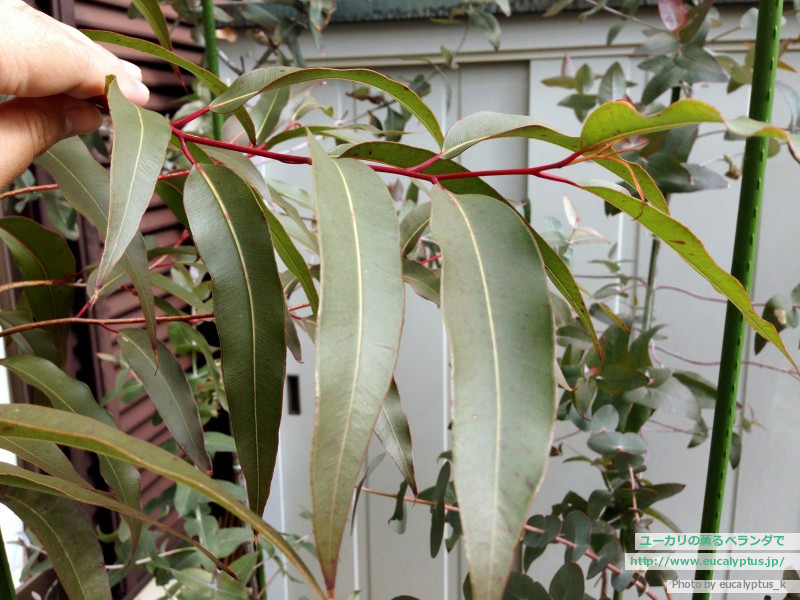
pixel 715 363
pixel 38 282
pixel 101 322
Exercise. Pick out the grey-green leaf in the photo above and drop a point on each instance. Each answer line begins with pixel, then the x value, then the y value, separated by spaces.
pixel 140 146
pixel 68 394
pixel 28 421
pixel 424 281
pixel 232 237
pixel 166 384
pixel 67 536
pixel 395 435
pixel 274 78
pixel 358 334
pixel 500 326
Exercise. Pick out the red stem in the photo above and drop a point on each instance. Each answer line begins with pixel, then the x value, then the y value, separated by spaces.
pixel 190 117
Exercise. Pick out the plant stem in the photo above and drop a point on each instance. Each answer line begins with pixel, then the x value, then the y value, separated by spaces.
pixel 6 581
pixel 101 322
pixel 754 167
pixel 212 56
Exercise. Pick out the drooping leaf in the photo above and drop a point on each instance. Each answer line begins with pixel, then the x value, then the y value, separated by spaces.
pixel 274 78
pixel 424 281
pixel 267 111
pixel 499 323
pixel 401 155
pixel 85 185
pixel 413 226
pixel 358 334
pixel 37 422
pixel 166 384
pixel 41 254
pixel 562 278
pixel 151 11
pixel 44 455
pixel 681 239
pixel 68 394
pixel 232 237
pixel 393 431
pixel 613 85
pixel 17 477
pixel 37 341
pixel 292 258
pixel 140 145
pixel 209 79
pixel 67 537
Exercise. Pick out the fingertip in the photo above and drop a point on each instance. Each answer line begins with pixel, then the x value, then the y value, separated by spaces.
pixel 134 90
pixel 83 119
pixel 132 70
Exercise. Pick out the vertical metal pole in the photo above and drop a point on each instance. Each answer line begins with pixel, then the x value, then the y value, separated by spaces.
pixel 754 166
pixel 212 56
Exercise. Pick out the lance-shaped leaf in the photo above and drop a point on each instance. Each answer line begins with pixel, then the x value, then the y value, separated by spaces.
pixel 28 421
pixel 232 237
pixel 681 239
pixel 394 433
pixel 67 537
pixel 68 394
pixel 274 78
pixel 37 341
pixel 292 258
pixel 17 477
pixel 211 81
pixel 267 112
pixel 562 278
pixel 41 254
pixel 151 11
pixel 85 185
pixel 45 455
pixel 500 326
pixel 358 334
pixel 166 384
pixel 424 281
pixel 484 126
pixel 413 226
pixel 140 146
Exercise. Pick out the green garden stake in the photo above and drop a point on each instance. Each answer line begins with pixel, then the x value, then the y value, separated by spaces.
pixel 6 581
pixel 212 56
pixel 754 166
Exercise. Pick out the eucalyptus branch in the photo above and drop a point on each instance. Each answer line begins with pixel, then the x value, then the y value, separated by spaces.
pixel 101 322
pixel 559 539
pixel 716 363
pixel 619 13
pixel 38 282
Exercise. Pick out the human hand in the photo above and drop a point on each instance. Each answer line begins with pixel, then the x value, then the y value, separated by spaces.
pixel 50 69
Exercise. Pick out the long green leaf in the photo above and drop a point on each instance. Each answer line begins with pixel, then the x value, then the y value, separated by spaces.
pixel 413 226
pixel 267 112
pixel 166 384
pixel 38 341
pixel 211 81
pixel 401 155
pixel 232 237
pixel 484 126
pixel 151 11
pixel 424 281
pixel 292 258
pixel 140 146
pixel 358 334
pixel 681 239
pixel 68 394
pixel 67 537
pixel 40 253
pixel 500 326
pixel 47 424
pixel 274 78
pixel 13 476
pixel 394 433
pixel 562 278
pixel 44 455
pixel 86 185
